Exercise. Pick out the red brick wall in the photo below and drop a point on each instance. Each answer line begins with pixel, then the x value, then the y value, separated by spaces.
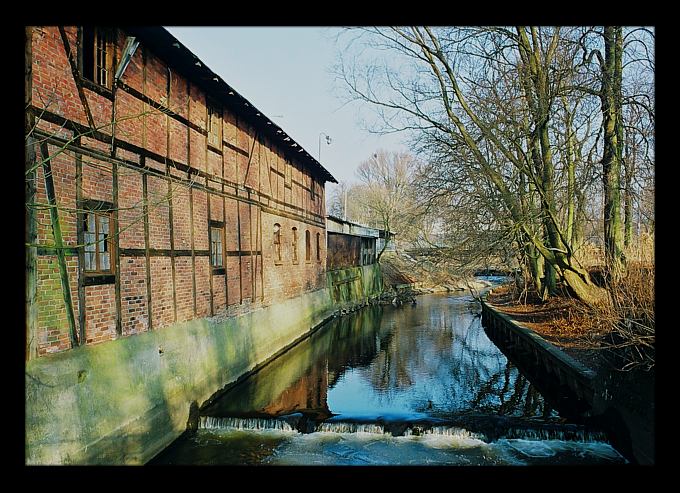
pixel 97 180
pixel 231 222
pixel 184 289
pixel 161 292
pixel 133 295
pixel 53 84
pixel 216 208
pixel 129 125
pixel 131 212
pixel 230 159
pixel 202 286
pixel 288 279
pixel 181 217
pixel 200 206
pixel 219 293
pixel 100 313
pixel 137 123
pixel 233 280
pixel 159 213
pixel 214 163
pixel 53 335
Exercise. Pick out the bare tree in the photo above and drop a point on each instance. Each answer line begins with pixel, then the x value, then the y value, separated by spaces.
pixel 507 116
pixel 386 193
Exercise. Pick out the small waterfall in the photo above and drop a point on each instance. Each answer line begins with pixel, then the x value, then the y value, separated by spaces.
pixel 449 431
pixel 564 434
pixel 212 423
pixel 338 427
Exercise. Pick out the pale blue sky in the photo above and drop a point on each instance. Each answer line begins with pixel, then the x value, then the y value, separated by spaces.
pixel 285 73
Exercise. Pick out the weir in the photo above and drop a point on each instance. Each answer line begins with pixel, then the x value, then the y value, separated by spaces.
pixel 488 429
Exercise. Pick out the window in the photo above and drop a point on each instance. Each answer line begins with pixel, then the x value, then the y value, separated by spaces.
pixel 312 189
pixel 98 244
pixel 216 250
pixel 277 243
pixel 318 247
pixel 214 127
pixel 308 246
pixel 294 244
pixel 98 54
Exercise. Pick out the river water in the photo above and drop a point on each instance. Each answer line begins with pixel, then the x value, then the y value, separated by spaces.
pixel 410 385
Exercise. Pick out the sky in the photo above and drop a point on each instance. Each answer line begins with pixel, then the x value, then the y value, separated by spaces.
pixel 285 73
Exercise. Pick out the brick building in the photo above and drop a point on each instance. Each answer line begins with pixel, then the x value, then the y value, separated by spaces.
pixel 350 244
pixel 176 198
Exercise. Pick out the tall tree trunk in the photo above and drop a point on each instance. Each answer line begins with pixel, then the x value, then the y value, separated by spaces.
pixel 549 212
pixel 628 171
pixel 570 163
pixel 611 160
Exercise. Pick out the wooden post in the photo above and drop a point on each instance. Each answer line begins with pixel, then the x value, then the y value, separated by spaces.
pixel 145 211
pixel 31 224
pixel 58 243
pixel 116 250
pixel 31 255
pixel 82 308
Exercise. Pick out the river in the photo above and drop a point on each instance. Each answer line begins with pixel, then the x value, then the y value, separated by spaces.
pixel 418 384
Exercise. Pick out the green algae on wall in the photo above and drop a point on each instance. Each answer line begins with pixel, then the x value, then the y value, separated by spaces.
pixel 355 284
pixel 123 401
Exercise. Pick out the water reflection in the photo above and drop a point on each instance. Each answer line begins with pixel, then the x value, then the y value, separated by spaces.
pixel 428 360
pixel 416 384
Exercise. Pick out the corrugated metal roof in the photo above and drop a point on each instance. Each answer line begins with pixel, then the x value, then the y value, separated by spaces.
pixel 179 57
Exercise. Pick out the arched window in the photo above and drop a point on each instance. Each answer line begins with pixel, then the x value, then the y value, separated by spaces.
pixel 318 247
pixel 294 245
pixel 277 243
pixel 308 246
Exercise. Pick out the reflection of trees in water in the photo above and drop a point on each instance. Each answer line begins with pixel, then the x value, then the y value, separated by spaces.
pixel 437 355
pixel 354 340
pixel 442 356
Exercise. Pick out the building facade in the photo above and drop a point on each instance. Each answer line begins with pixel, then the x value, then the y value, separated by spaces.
pixel 155 192
pixel 350 244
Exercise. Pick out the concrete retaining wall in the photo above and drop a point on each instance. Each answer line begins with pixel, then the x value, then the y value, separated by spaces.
pixel 534 351
pixel 122 402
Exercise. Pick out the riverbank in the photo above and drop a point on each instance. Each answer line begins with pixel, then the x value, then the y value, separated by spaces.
pixel 624 400
pixel 404 274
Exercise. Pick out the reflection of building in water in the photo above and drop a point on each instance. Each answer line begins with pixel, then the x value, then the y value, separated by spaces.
pixel 309 394
pixel 299 380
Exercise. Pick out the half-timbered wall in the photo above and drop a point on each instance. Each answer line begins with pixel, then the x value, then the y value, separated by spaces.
pixel 141 148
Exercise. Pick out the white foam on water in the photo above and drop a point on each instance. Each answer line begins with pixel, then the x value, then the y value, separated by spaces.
pixel 249 424
pixel 551 448
pixel 360 428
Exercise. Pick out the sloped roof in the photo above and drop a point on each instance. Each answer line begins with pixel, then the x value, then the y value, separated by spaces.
pixel 179 57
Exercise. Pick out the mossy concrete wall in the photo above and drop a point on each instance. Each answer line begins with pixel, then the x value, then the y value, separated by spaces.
pixel 123 401
pixel 348 286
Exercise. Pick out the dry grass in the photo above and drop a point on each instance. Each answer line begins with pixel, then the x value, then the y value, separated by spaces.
pixel 631 315
pixel 625 327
